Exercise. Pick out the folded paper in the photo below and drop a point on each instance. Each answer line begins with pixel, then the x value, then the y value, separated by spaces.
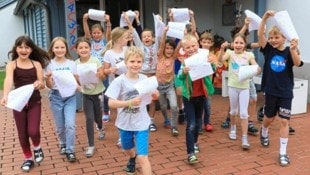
pixel 247 72
pixel 255 20
pixel 131 15
pixel 198 65
pixel 285 24
pixel 18 98
pixel 97 15
pixel 65 82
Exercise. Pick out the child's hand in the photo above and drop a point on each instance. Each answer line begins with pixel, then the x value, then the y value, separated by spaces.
pixel 294 44
pixel 247 21
pixel 4 100
pixel 155 95
pixel 191 13
pixel 135 101
pixel 185 70
pixel 85 16
pixel 37 84
pixel 268 14
pixel 212 59
pixel 107 18
pixel 48 74
pixel 137 14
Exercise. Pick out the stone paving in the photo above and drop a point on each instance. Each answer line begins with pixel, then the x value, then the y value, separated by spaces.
pixel 218 155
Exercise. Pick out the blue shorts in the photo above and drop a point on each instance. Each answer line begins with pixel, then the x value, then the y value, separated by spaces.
pixel 141 138
pixel 277 105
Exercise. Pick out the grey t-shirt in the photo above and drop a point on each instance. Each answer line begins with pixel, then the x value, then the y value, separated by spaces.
pixel 130 119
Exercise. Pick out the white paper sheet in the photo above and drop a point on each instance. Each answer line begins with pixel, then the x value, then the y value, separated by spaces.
pixel 121 68
pixel 18 98
pixel 146 86
pixel 285 24
pixel 97 15
pixel 159 26
pixel 198 65
pixel 247 72
pixel 87 73
pixel 255 20
pixel 131 15
pixel 176 30
pixel 65 82
pixel 181 15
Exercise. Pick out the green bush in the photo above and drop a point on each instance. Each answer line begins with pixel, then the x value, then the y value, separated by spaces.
pixel 2 75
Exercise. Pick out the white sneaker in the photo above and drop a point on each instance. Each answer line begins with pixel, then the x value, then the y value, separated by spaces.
pixel 90 151
pixel 232 135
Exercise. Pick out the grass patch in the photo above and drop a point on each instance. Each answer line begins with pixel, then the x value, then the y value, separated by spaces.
pixel 2 75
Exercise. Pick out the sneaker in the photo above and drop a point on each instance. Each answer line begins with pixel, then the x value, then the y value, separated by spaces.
pixel 101 134
pixel 264 140
pixel 27 165
pixel 284 160
pixel 252 130
pixel 167 124
pixel 62 150
pixel 152 127
pixel 245 144
pixel 291 130
pixel 233 135
pixel 196 148
pixel 90 151
pixel 131 166
pixel 38 155
pixel 105 118
pixel 174 132
pixel 226 123
pixel 71 157
pixel 208 127
pixel 181 118
pixel 192 159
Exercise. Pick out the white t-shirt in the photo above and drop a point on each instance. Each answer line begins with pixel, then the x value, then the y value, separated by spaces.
pixel 136 118
pixel 114 58
pixel 67 65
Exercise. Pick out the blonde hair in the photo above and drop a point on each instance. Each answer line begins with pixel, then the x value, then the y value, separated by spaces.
pixel 133 51
pixel 116 34
pixel 188 37
pixel 50 50
pixel 275 31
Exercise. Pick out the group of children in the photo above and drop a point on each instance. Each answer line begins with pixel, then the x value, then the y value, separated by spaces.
pixel 146 56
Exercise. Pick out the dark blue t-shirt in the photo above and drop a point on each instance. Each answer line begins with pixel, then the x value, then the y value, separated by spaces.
pixel 278 77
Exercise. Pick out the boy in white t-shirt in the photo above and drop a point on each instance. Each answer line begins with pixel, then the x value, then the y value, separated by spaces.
pixel 132 117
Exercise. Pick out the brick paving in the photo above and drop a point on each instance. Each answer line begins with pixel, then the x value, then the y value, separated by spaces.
pixel 218 155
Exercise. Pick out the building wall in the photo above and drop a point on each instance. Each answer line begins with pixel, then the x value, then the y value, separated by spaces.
pixel 11 27
pixel 299 13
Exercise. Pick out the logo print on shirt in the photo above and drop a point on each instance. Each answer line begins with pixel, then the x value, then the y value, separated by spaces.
pixel 277 63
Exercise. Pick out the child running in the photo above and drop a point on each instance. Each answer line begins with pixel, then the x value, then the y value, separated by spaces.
pixel 238 90
pixel 91 93
pixel 63 108
pixel 277 83
pixel 25 67
pixel 132 117
pixel 165 76
pixel 194 94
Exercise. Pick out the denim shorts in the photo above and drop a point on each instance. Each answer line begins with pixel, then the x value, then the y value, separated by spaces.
pixel 141 138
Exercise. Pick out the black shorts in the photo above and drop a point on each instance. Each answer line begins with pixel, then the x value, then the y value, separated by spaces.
pixel 277 105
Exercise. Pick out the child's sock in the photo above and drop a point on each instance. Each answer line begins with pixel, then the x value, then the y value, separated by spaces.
pixel 264 131
pixel 283 145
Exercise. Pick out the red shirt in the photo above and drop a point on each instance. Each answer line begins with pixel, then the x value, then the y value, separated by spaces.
pixel 198 88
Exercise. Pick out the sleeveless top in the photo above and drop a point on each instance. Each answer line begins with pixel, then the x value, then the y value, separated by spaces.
pixel 26 76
